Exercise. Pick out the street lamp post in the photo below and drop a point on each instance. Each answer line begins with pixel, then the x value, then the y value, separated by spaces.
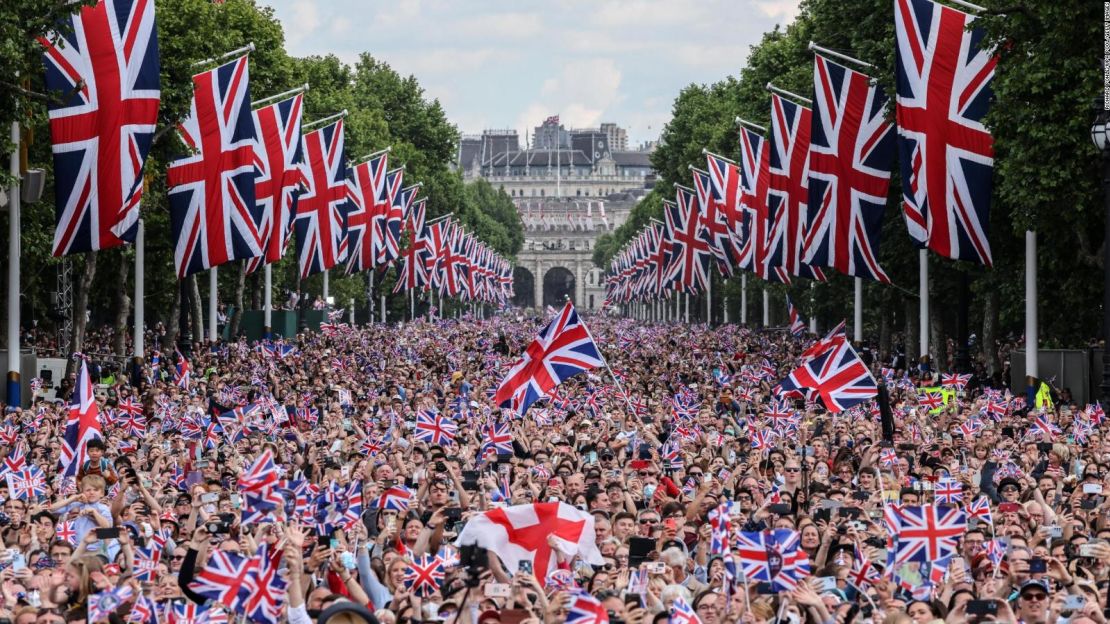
pixel 1101 138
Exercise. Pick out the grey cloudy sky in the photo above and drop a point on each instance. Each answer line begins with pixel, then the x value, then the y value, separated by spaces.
pixel 511 64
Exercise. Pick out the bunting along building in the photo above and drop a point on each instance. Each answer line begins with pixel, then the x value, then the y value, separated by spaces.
pixel 570 186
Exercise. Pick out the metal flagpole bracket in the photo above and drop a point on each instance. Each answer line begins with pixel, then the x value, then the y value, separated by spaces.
pixel 751 124
pixel 341 114
pixel 439 218
pixel 377 153
pixel 395 170
pixel 413 186
pixel 968 5
pixel 685 188
pixel 247 49
pixel 789 94
pixel 709 153
pixel 844 57
pixel 291 92
pixel 693 168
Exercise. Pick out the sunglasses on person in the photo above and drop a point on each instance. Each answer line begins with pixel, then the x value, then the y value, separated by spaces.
pixel 649 520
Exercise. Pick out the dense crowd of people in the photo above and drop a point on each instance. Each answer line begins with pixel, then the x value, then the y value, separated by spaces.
pixel 680 452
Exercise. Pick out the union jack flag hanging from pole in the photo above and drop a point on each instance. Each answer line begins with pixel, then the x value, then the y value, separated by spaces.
pixel 385 246
pixel 755 178
pixel 413 273
pixel 101 134
pixel 947 154
pixel 850 155
pixel 322 209
pixel 787 193
pixel 212 205
pixel 367 183
pixel 716 221
pixel 726 182
pixel 280 161
pixel 690 255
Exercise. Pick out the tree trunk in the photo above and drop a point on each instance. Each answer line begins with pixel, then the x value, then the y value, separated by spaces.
pixel 913 319
pixel 81 307
pixel 990 331
pixel 197 309
pixel 258 281
pixel 938 347
pixel 123 308
pixel 885 330
pixel 173 322
pixel 233 329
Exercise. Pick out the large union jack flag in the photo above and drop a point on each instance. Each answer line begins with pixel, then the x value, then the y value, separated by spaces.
pixel 280 162
pixel 224 578
pixel 755 178
pixel 926 533
pixel 946 153
pixel 322 209
pixel 395 218
pixel 385 246
pixel 423 575
pixel 690 255
pixel 107 67
pixel 82 424
pixel 563 349
pixel 413 273
pixel 212 207
pixel 368 205
pixel 726 182
pixel 850 155
pixel 787 191
pixel 838 376
pixel 717 217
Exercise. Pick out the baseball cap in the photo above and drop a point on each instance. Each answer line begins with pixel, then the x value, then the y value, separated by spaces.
pixel 1034 584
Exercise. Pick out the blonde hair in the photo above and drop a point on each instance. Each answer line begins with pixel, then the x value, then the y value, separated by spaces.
pixel 85 566
pixel 94 480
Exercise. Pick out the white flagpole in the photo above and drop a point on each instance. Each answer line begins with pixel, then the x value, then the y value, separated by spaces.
pixel 766 309
pixel 326 286
pixel 923 294
pixel 412 305
pixel 138 348
pixel 857 328
pixel 14 252
pixel 686 296
pixel 383 307
pixel 267 302
pixel 1031 304
pixel 724 308
pixel 351 313
pixel 813 310
pixel 709 302
pixel 212 292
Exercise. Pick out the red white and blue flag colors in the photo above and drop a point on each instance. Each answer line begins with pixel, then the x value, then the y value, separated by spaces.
pixel 423 575
pixel 797 323
pixel 682 613
pixel 850 155
pixel 322 209
pixel 787 191
pixel 224 578
pixel 28 484
pixel 585 609
pixel 395 219
pixel 943 77
pixel 773 557
pixel 106 64
pixel 413 274
pixel 838 377
pixel 82 424
pixel 713 211
pixel 213 214
pixel 925 533
pixel 367 214
pixel 279 157
pixel 435 428
pixel 386 246
pixel 563 349
pixel 688 267
pixel 726 180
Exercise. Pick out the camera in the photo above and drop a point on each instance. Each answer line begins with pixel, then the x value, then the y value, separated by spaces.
pixel 218 527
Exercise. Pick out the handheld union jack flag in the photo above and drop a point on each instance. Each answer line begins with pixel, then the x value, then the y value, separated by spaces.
pixel 773 556
pixel 146 563
pixel 797 323
pixel 182 372
pixel 946 152
pixel 66 531
pixel 435 428
pixel 980 508
pixel 26 484
pixel 261 474
pixel 498 440
pixel 280 161
pixel 948 492
pixel 850 156
pixel 563 349
pixel 788 192
pixel 321 219
pixel 104 604
pixel 107 64
pixel 212 206
pixel 955 380
pixel 585 609
pixel 81 424
pixel 682 613
pixel 223 579
pixel 926 533
pixel 266 590
pixel 839 377
pixel 397 497
pixel 423 575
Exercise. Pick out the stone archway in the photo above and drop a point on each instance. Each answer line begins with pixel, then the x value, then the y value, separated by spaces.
pixel 558 285
pixel 524 287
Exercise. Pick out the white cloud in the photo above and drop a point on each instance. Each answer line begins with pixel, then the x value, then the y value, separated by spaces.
pixel 441 61
pixel 307 18
pixel 785 10
pixel 499 26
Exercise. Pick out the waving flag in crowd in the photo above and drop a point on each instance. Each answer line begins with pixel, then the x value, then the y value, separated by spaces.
pixel 82 424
